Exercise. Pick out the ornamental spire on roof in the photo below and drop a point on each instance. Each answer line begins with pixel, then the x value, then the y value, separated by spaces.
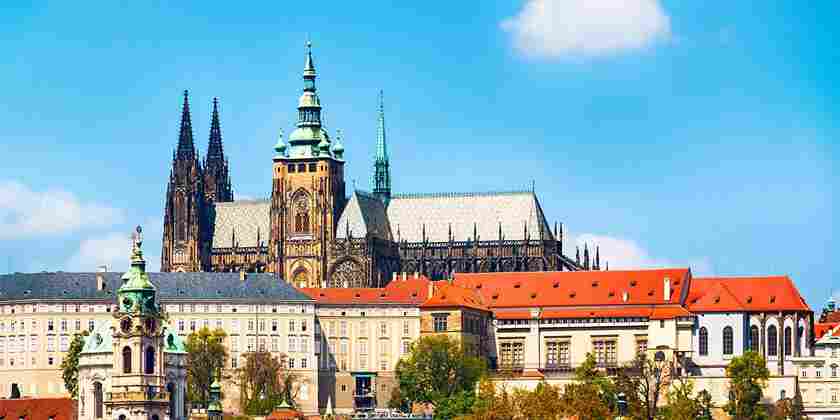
pixel 381 181
pixel 186 149
pixel 215 151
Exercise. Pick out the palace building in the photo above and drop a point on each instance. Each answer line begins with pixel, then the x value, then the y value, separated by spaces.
pixel 313 234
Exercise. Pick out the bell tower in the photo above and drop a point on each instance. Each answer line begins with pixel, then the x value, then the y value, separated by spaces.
pixel 308 192
pixel 138 381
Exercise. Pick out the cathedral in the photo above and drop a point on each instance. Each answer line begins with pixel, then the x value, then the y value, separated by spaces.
pixel 312 234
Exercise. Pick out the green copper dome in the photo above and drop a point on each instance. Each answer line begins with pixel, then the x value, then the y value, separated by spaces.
pixel 137 293
pixel 280 147
pixel 338 148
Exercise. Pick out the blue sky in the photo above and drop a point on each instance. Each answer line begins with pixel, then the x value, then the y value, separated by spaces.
pixel 671 133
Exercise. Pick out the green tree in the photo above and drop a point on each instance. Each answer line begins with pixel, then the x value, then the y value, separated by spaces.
pixel 788 409
pixel 264 383
pixel 748 376
pixel 437 369
pixel 704 399
pixel 206 356
pixel 70 364
pixel 681 404
pixel 543 402
pixel 591 396
pixel 643 381
pixel 492 404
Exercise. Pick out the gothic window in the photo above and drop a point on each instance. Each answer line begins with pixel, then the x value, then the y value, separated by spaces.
pixel 728 345
pixel 788 340
pixel 97 400
pixel 300 278
pixel 150 360
pixel 347 273
pixel 181 220
pixel 704 341
pixel 772 341
pixel 126 355
pixel 801 331
pixel 300 209
pixel 754 338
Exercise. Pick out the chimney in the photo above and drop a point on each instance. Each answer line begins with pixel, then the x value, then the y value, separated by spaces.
pixel 403 275
pixel 416 275
pixel 667 289
pixel 100 277
pixel 394 276
pixel 242 275
pixel 431 289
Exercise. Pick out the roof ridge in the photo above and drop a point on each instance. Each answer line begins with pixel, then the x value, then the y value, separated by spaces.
pixel 462 194
pixel 235 202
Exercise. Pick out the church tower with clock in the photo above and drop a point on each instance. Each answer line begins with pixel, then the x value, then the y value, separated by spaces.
pixel 133 368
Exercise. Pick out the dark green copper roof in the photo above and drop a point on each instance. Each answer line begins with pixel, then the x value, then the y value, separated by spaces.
pixel 170 286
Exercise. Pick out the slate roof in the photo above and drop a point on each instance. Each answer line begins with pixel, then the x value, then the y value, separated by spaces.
pixel 244 220
pixel 170 286
pixel 409 213
pixel 364 213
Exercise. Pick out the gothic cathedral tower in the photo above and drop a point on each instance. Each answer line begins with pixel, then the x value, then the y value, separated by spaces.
pixel 185 245
pixel 381 180
pixel 307 194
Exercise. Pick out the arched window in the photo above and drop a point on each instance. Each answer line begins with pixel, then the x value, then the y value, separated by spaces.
pixel 728 344
pixel 788 341
pixel 126 359
pixel 300 209
pixel 98 402
pixel 704 341
pixel 300 278
pixel 754 338
pixel 772 341
pixel 150 360
pixel 799 337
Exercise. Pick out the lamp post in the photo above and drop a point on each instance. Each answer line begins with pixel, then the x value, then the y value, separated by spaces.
pixel 214 409
pixel 622 405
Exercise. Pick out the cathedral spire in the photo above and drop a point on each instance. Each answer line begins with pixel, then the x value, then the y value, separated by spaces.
pixel 186 149
pixel 215 151
pixel 381 166
pixel 216 172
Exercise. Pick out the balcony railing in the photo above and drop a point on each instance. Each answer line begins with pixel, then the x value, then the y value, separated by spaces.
pixel 550 370
pixel 138 393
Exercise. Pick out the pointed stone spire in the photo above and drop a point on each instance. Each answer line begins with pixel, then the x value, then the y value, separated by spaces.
pixel 381 181
pixel 577 254
pixel 215 152
pixel 186 148
pixel 597 257
pixel 216 173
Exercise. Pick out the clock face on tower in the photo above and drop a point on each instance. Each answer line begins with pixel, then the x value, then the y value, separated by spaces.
pixel 125 325
pixel 127 303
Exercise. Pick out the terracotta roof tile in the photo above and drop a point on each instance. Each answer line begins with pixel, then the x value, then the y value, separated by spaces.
pixel 409 292
pixel 823 328
pixel 730 294
pixel 38 408
pixel 576 288
pixel 447 295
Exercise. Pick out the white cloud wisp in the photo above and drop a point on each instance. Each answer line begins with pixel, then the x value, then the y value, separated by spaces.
pixel 559 28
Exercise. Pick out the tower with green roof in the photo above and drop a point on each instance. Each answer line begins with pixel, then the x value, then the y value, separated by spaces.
pixel 308 191
pixel 133 366
pixel 381 180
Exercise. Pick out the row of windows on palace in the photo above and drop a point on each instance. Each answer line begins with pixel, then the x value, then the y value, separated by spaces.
pixel 819 397
pixel 754 343
pixel 171 308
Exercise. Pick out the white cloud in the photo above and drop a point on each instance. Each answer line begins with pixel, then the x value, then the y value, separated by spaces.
pixel 114 250
pixel 629 254
pixel 556 28
pixel 25 213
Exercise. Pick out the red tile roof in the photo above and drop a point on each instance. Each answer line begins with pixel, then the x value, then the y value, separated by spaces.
pixel 832 317
pixel 576 288
pixel 38 408
pixel 651 312
pixel 750 294
pixel 409 292
pixel 447 295
pixel 822 328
